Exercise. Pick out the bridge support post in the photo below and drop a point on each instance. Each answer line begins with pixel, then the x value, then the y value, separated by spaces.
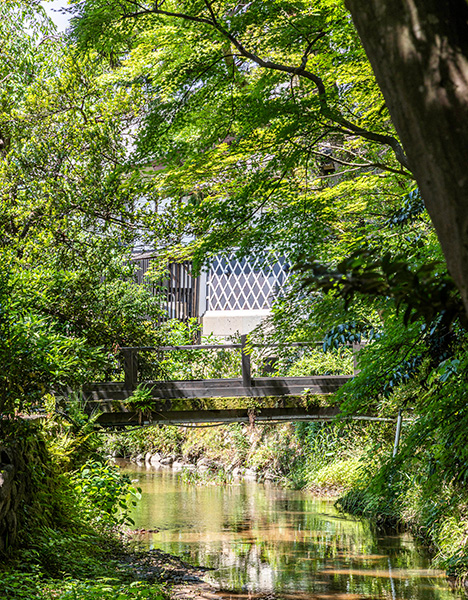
pixel 246 371
pixel 130 368
pixel 397 434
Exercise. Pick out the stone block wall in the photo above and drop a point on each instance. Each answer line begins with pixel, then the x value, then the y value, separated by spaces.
pixel 22 472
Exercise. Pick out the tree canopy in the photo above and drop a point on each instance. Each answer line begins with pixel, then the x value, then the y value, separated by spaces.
pixel 253 128
pixel 69 216
pixel 267 133
pixel 267 130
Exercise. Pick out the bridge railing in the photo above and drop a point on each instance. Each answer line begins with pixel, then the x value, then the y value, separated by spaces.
pixel 136 360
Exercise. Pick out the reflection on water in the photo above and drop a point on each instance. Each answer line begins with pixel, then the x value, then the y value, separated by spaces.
pixel 263 539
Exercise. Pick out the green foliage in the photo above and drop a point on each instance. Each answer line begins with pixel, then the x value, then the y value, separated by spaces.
pixel 73 566
pixel 106 588
pixel 316 362
pixel 211 476
pixel 44 493
pixel 426 292
pixel 424 487
pixel 20 585
pixel 240 441
pixel 141 398
pixel 69 431
pixel 167 439
pixel 338 474
pixel 244 139
pixel 332 453
pixel 196 364
pixel 35 354
pixel 104 494
pixel 82 565
pixel 325 457
pixel 189 364
pixel 59 553
pixel 411 209
pixel 67 547
pixel 71 209
pixel 72 298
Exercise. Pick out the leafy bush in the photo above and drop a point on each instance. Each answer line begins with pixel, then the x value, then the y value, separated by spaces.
pixel 106 589
pixel 70 433
pixel 36 356
pixel 19 585
pixel 317 362
pixel 105 494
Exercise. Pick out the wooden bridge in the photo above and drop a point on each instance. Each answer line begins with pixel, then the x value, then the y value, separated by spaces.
pixel 243 399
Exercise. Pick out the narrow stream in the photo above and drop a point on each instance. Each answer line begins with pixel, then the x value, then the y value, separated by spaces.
pixel 261 539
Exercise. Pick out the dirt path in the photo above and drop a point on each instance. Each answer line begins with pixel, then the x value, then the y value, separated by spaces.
pixel 185 580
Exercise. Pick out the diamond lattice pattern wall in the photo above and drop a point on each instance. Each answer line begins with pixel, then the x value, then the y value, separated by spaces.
pixel 243 284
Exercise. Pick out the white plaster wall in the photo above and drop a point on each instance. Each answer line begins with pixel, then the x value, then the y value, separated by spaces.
pixel 228 322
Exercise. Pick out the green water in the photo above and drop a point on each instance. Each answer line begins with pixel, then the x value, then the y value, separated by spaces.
pixel 261 539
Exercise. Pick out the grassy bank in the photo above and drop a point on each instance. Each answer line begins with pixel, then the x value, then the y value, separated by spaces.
pixel 80 564
pixel 322 457
pixel 391 491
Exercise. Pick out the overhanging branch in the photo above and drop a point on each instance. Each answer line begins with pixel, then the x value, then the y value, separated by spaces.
pixel 300 71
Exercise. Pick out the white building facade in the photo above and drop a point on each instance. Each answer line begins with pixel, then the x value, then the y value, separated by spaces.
pixel 231 296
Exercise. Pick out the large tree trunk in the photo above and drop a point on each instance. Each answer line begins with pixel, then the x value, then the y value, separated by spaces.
pixel 419 52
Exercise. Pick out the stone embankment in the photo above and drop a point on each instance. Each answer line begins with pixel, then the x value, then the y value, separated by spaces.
pixel 202 465
pixel 24 480
pixel 10 496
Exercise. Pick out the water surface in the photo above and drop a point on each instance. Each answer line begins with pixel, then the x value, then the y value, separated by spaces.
pixel 261 539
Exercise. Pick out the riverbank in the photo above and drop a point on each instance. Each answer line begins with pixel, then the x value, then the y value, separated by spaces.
pixel 98 568
pixel 320 457
pixel 182 580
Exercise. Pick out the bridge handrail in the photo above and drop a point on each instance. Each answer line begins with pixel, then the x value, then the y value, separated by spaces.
pixel 218 346
pixel 130 355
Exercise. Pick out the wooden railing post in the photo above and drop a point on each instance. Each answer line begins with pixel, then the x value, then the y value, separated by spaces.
pixel 130 368
pixel 246 371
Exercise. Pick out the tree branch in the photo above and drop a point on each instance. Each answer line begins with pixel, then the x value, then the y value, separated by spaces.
pixel 374 165
pixel 301 71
